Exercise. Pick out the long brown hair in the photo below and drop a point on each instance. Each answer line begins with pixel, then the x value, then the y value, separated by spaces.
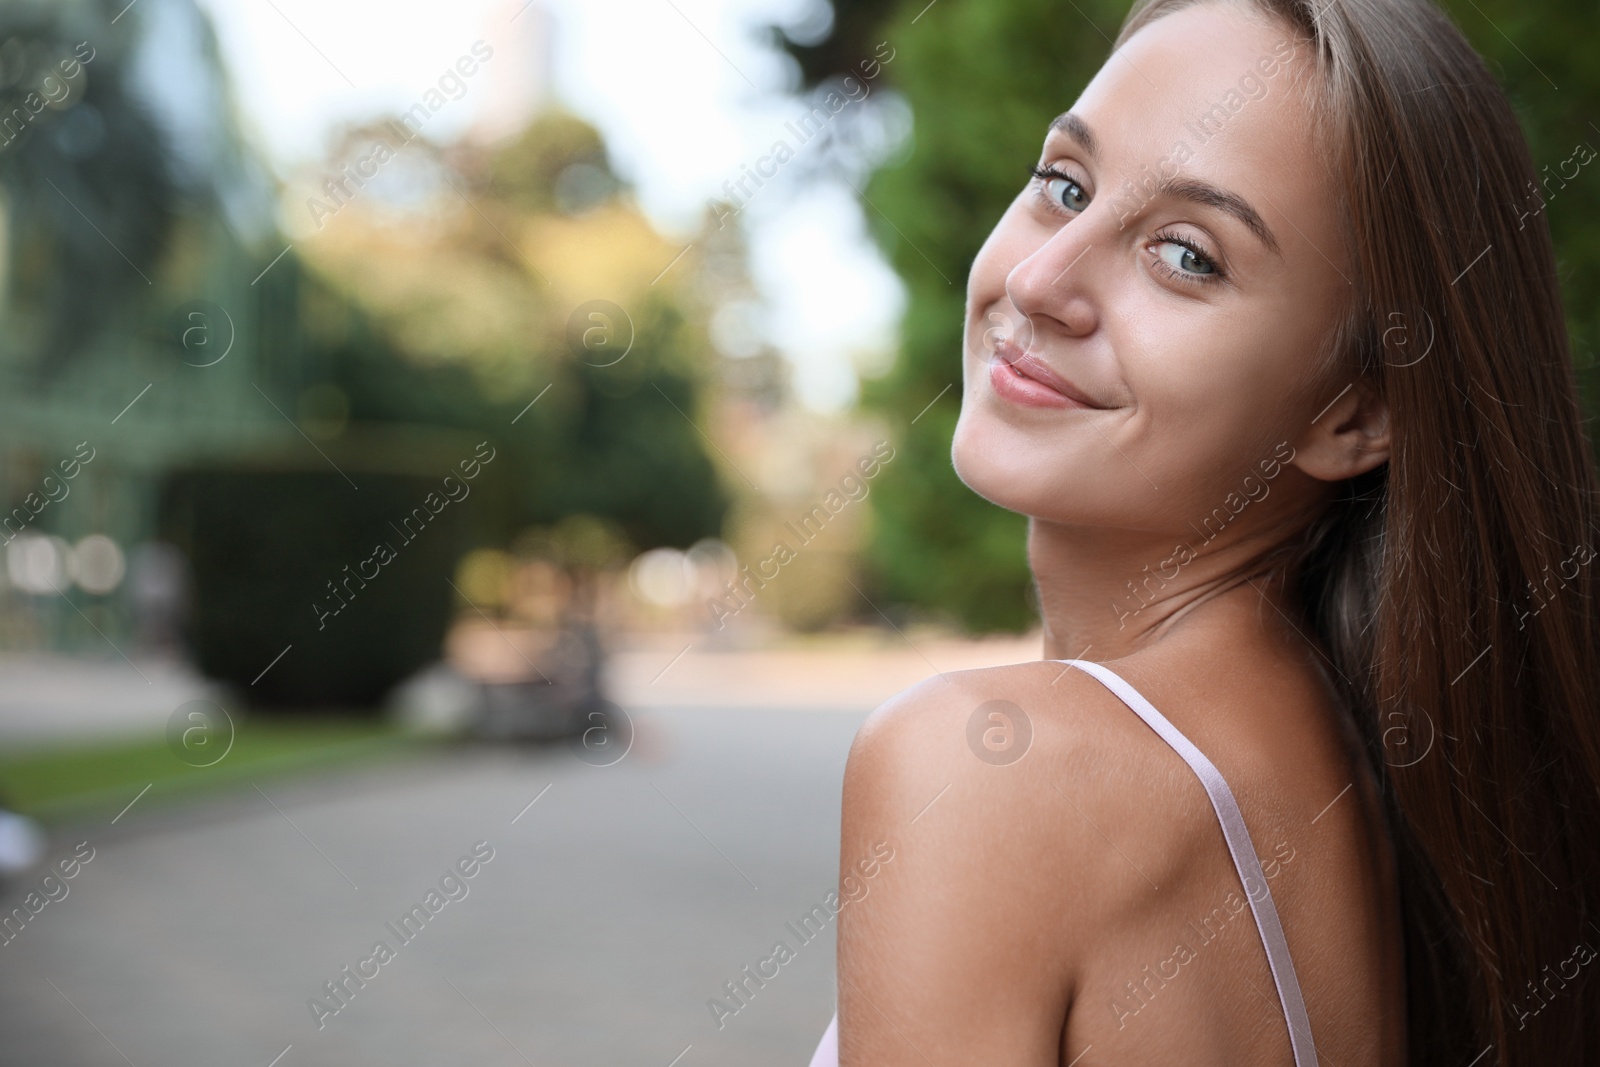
pixel 1452 586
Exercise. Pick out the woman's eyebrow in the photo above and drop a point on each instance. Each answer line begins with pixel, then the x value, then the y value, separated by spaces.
pixel 1075 128
pixel 1193 190
pixel 1202 192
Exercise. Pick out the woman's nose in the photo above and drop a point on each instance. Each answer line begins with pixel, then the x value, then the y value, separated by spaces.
pixel 1055 283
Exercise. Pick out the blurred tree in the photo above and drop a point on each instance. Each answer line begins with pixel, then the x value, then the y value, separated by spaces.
pixel 558 165
pixel 422 332
pixel 522 283
pixel 983 81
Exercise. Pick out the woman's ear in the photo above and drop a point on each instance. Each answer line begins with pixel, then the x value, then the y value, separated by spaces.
pixel 1350 437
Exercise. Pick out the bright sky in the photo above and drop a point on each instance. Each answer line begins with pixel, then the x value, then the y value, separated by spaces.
pixel 684 91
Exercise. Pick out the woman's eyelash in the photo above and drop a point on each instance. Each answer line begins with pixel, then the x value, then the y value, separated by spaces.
pixel 1168 237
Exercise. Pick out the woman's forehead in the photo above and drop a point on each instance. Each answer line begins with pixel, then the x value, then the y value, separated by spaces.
pixel 1208 60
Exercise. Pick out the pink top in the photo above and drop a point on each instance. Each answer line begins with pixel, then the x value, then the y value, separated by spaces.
pixel 1244 861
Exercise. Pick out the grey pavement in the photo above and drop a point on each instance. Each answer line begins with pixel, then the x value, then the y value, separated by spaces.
pixel 612 910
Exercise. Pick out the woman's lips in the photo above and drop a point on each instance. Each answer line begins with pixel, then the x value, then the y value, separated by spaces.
pixel 1024 379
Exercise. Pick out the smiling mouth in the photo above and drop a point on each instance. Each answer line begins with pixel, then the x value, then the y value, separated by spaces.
pixel 1023 378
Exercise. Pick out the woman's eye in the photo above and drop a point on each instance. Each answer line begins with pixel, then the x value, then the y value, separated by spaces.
pixel 1061 189
pixel 1185 259
pixel 1068 193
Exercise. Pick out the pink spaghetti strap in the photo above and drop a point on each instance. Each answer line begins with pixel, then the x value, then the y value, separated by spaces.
pixel 827 1054
pixel 1244 856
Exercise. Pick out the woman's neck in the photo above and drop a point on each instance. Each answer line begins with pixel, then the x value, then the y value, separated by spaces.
pixel 1105 593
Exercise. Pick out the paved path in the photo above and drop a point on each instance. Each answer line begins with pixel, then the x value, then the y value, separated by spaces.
pixel 612 910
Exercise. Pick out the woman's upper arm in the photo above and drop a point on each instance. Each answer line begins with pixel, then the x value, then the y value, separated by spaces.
pixel 958 948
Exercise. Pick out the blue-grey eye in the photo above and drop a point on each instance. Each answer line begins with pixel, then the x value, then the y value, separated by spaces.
pixel 1070 195
pixel 1186 259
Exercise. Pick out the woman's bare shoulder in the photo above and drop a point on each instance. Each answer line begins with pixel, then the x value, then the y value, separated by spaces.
pixel 962 721
pixel 1026 808
pixel 1005 753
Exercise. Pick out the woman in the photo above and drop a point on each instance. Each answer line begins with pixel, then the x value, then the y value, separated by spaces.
pixel 1271 351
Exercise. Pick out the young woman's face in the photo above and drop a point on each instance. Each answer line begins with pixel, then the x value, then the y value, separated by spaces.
pixel 1133 343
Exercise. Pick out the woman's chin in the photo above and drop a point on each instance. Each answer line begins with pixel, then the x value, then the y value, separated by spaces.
pixel 978 455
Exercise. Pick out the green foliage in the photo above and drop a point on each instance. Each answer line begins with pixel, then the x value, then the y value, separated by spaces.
pixel 983 80
pixel 528 173
pixel 1540 53
pixel 618 442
